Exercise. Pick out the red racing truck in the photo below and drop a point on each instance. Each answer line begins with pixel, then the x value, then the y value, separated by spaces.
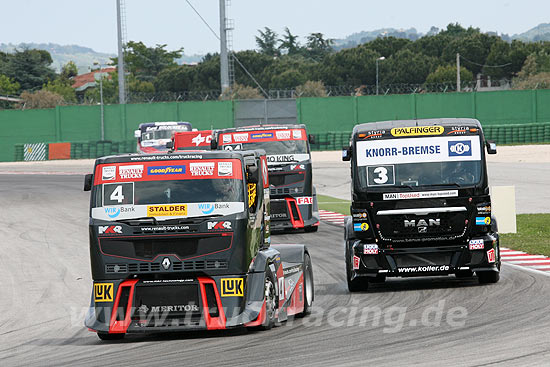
pixel 191 140
pixel 181 241
pixel 293 196
pixel 152 137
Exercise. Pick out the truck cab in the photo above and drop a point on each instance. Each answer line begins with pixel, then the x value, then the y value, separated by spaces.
pixel 293 196
pixel 420 202
pixel 152 137
pixel 191 140
pixel 181 241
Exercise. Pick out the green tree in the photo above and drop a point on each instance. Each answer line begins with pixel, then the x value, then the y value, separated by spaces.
pixel 240 91
pixel 145 63
pixel 387 46
pixel 30 68
pixel 69 70
pixel 8 86
pixel 289 42
pixel 41 99
pixel 317 47
pixel 311 89
pixel 406 67
pixel 447 74
pixel 267 42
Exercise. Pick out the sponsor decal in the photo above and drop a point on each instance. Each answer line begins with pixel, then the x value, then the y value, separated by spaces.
pixel 280 158
pixel 166 210
pixel 232 287
pixel 360 227
pixel 491 255
pixel 305 200
pixel 283 134
pixel 370 249
pixel 362 215
pixel 251 194
pixel 242 137
pixel 130 172
pixel 476 244
pixel 166 170
pixel 226 138
pixel 112 212
pixel 483 221
pixel 257 136
pixel 225 168
pixel 206 208
pixel 109 229
pixel 264 173
pixel 103 292
pixel 484 209
pixel 296 134
pixel 166 263
pixel 356 261
pixel 420 195
pixel 297 167
pixel 424 269
pixel 422 223
pixel 219 225
pixel 417 130
pixel 202 169
pixel 460 148
pixel 292 270
pixel 172 308
pixel 108 173
pixel 164 228
pixel 418 150
pixel 199 139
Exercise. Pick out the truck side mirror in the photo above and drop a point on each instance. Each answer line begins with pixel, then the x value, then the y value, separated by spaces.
pixel 137 133
pixel 213 143
pixel 311 138
pixel 346 154
pixel 253 174
pixel 491 147
pixel 170 145
pixel 88 182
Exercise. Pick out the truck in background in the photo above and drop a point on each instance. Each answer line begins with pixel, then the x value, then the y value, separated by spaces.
pixel 152 137
pixel 293 196
pixel 191 140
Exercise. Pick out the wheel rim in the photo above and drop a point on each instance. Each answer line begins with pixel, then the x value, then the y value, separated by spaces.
pixel 269 300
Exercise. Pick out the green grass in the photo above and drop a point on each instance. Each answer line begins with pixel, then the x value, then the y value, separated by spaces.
pixel 333 204
pixel 533 230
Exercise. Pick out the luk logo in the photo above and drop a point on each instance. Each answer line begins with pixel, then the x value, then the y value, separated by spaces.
pixel 219 225
pixel 103 292
pixel 460 148
pixel 110 229
pixel 206 208
pixel 112 212
pixel 232 287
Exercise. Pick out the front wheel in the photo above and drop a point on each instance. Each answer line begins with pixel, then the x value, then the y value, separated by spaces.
pixel 358 284
pixel 270 297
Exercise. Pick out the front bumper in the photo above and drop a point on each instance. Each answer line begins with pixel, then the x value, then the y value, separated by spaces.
pixel 368 260
pixel 287 214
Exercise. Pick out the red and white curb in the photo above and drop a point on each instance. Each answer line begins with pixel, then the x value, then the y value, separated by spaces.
pixel 512 257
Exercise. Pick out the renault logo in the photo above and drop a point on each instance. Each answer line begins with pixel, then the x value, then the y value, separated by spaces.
pixel 166 263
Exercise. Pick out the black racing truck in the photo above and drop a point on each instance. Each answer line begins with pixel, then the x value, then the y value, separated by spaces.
pixel 181 241
pixel 293 196
pixel 420 202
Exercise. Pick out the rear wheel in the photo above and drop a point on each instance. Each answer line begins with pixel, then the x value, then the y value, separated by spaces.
pixel 308 286
pixel 107 336
pixel 488 277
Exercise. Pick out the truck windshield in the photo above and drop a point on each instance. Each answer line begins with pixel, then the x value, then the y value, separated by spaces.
pixel 158 134
pixel 450 161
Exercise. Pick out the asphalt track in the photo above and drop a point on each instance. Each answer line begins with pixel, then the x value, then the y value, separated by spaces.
pixel 45 287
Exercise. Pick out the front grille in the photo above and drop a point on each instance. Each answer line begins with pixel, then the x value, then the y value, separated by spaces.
pixel 144 248
pixel 392 227
pixel 176 266
pixel 279 210
pixel 280 179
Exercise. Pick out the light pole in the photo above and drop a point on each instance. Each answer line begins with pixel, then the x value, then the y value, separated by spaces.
pixel 101 100
pixel 378 59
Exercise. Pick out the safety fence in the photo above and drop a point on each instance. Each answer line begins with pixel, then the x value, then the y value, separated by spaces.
pixel 72 150
pixel 502 134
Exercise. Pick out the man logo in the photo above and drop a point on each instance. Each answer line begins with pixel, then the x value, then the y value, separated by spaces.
pixel 232 287
pixel 103 292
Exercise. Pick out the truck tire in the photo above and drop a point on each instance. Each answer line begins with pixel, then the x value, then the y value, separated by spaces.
pixel 488 277
pixel 309 293
pixel 357 284
pixel 107 336
pixel 270 297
